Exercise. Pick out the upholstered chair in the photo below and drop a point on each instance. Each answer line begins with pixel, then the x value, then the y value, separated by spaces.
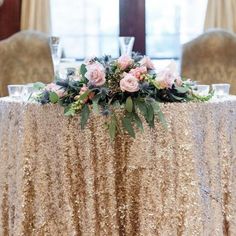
pixel 211 58
pixel 24 58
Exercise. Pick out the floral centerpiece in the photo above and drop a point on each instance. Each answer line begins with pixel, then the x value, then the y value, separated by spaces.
pixel 129 84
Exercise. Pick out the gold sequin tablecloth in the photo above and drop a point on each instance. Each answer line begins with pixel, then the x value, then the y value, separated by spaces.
pixel 58 180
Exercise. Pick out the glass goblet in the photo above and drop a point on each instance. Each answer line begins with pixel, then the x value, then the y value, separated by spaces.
pixel 126 45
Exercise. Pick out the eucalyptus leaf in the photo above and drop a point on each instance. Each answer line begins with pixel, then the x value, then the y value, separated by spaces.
pixel 162 119
pixel 150 113
pixel 95 106
pixel 39 86
pixel 53 97
pixel 127 124
pixel 84 116
pixel 138 121
pixel 129 104
pixel 69 111
pixel 84 95
pixel 177 98
pixel 182 89
pixel 142 107
pixel 155 106
pixel 83 71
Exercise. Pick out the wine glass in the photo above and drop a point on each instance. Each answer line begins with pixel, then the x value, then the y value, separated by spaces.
pixel 126 45
pixel 55 52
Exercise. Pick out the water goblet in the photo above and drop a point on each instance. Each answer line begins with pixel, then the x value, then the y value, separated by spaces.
pixel 126 45
pixel 55 52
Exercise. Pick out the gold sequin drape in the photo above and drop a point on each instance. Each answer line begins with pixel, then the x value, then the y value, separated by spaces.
pixel 58 180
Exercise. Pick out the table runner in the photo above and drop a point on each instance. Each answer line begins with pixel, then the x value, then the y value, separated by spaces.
pixel 58 180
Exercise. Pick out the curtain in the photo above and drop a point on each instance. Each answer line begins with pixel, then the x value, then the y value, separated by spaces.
pixel 35 15
pixel 221 14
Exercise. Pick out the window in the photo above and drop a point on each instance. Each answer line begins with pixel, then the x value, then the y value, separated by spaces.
pixel 91 27
pixel 86 27
pixel 171 23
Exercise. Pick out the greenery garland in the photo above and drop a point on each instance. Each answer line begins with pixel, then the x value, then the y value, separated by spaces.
pixel 129 83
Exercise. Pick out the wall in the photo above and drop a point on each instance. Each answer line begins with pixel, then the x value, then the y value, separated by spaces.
pixel 9 18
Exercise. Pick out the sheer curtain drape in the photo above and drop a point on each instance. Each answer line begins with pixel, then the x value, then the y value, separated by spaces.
pixel 221 14
pixel 36 15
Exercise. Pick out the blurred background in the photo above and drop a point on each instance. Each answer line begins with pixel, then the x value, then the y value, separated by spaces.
pixel 198 34
pixel 91 27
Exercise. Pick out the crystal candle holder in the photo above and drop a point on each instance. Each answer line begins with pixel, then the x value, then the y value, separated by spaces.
pixel 15 90
pixel 221 90
pixel 201 90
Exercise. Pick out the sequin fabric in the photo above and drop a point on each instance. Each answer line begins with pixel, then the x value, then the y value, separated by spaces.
pixel 58 180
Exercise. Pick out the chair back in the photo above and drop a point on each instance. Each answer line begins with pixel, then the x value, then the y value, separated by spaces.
pixel 25 58
pixel 211 58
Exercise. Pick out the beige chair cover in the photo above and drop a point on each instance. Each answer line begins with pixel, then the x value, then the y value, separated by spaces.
pixel 211 58
pixel 24 58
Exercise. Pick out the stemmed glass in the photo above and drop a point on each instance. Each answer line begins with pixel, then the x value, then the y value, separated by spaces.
pixel 55 52
pixel 126 45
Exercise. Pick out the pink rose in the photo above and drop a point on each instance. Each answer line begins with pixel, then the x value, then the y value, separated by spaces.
pixel 124 61
pixel 56 89
pixel 139 72
pixel 129 83
pixel 178 81
pixel 96 74
pixel 173 69
pixel 146 61
pixel 169 76
pixel 165 79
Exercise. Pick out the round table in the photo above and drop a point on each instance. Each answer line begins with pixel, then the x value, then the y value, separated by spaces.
pixel 56 179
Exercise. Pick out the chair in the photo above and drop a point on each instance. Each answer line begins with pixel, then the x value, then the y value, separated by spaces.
pixel 211 58
pixel 25 58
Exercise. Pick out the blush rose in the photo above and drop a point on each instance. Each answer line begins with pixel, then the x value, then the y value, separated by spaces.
pixel 129 83
pixel 96 74
pixel 124 62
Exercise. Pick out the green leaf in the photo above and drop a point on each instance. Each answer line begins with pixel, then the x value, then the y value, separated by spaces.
pixel 176 98
pixel 182 89
pixel 162 119
pixel 129 104
pixel 39 86
pixel 112 127
pixel 155 106
pixel 68 111
pixel 95 106
pixel 158 112
pixel 116 104
pixel 150 113
pixel 84 116
pixel 127 124
pixel 138 121
pixel 142 107
pixel 84 95
pixel 53 97
pixel 83 70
